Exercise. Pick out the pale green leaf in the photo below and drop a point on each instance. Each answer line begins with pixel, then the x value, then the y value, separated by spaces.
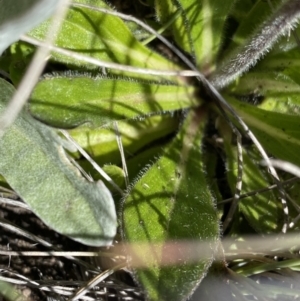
pixel 71 100
pixel 135 135
pixel 36 167
pixel 171 202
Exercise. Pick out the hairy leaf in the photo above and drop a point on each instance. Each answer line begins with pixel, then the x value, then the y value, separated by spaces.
pixel 72 100
pixel 36 167
pixel 257 44
pixel 101 36
pixel 171 202
pixel 249 14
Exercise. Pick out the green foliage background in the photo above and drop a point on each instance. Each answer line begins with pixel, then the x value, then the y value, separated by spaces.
pixel 178 133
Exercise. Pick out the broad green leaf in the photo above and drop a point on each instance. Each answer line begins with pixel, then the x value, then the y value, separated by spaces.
pixel 101 36
pixel 262 211
pixel 199 28
pixel 71 100
pixel 144 159
pixel 278 133
pixel 279 90
pixel 138 138
pixel 171 202
pixel 19 16
pixel 36 167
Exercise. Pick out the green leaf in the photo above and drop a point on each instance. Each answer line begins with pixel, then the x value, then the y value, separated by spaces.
pixel 71 100
pixel 266 83
pixel 284 104
pixel 278 133
pixel 15 60
pixel 144 159
pixel 274 90
pixel 19 16
pixel 101 36
pixel 280 61
pixel 199 28
pixel 171 202
pixel 136 135
pixel 36 167
pixel 116 173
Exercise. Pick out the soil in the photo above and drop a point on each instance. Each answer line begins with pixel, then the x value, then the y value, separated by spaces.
pixel 54 271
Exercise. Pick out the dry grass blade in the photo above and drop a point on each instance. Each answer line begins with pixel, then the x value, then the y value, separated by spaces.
pixel 19 231
pixel 121 149
pixel 14 203
pixel 11 227
pixel 93 163
pixel 102 276
pixel 284 165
